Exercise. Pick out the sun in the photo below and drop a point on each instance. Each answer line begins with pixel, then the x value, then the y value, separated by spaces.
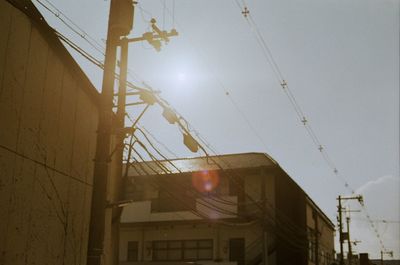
pixel 181 77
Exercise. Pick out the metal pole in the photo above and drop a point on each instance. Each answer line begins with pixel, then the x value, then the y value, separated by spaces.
pixel 122 82
pixel 350 254
pixel 120 137
pixel 340 230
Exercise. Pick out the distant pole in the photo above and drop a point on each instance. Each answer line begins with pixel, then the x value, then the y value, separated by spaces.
pixel 381 257
pixel 350 254
pixel 341 236
pixel 340 230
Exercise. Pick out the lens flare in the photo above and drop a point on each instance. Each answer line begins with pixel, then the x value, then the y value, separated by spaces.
pixel 205 181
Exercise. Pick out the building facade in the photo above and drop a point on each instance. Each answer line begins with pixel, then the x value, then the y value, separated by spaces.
pixel 235 209
pixel 49 113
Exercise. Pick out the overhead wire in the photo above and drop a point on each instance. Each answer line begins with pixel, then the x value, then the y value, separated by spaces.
pixel 268 54
pixel 74 27
pixel 225 90
pixel 280 220
pixel 99 65
pixel 283 83
pixel 281 232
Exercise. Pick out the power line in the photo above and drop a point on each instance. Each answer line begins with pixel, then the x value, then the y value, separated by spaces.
pixel 283 83
pixel 282 231
pixel 225 90
pixel 287 224
pixel 231 100
pixel 74 27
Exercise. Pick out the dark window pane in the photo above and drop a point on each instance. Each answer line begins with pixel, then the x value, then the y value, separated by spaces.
pixel 160 254
pixel 160 244
pixel 174 254
pixel 205 243
pixel 132 251
pixel 190 244
pixel 176 250
pixel 175 244
pixel 205 254
pixel 190 254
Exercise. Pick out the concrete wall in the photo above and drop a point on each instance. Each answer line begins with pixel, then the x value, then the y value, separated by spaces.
pixel 326 246
pixel 287 216
pixel 157 228
pixel 291 217
pixel 220 234
pixel 47 143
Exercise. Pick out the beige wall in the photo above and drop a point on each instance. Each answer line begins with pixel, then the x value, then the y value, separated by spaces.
pixel 326 236
pixel 47 143
pixel 141 212
pixel 219 233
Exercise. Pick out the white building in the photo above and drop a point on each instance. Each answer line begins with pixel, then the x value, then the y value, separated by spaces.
pixel 240 208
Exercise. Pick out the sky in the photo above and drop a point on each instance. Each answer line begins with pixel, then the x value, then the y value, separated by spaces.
pixel 340 59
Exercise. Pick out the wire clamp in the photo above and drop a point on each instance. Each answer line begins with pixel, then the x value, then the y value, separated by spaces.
pixel 245 12
pixel 284 84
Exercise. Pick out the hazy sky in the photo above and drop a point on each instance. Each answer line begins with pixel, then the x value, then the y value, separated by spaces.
pixel 340 58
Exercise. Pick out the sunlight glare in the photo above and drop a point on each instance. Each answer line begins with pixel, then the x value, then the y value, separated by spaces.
pixel 181 77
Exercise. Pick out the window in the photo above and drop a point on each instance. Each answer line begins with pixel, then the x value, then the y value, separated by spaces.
pixel 236 186
pixel 172 197
pixel 132 251
pixel 183 250
pixel 311 245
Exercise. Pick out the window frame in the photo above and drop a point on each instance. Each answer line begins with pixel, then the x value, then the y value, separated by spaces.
pixel 135 249
pixel 197 248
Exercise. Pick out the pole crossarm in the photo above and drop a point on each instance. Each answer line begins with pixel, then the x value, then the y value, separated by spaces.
pixel 150 36
pixel 346 235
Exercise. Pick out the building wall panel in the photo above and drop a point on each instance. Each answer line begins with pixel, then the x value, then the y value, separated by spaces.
pixel 66 123
pixel 57 187
pixel 5 23
pixel 12 91
pixel 7 160
pixel 20 213
pixel 47 145
pixel 32 98
pixel 51 102
pixel 47 208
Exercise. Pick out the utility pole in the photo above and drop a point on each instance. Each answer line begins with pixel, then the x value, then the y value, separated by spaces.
pixel 340 229
pixel 119 24
pixel 345 236
pixel 350 253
